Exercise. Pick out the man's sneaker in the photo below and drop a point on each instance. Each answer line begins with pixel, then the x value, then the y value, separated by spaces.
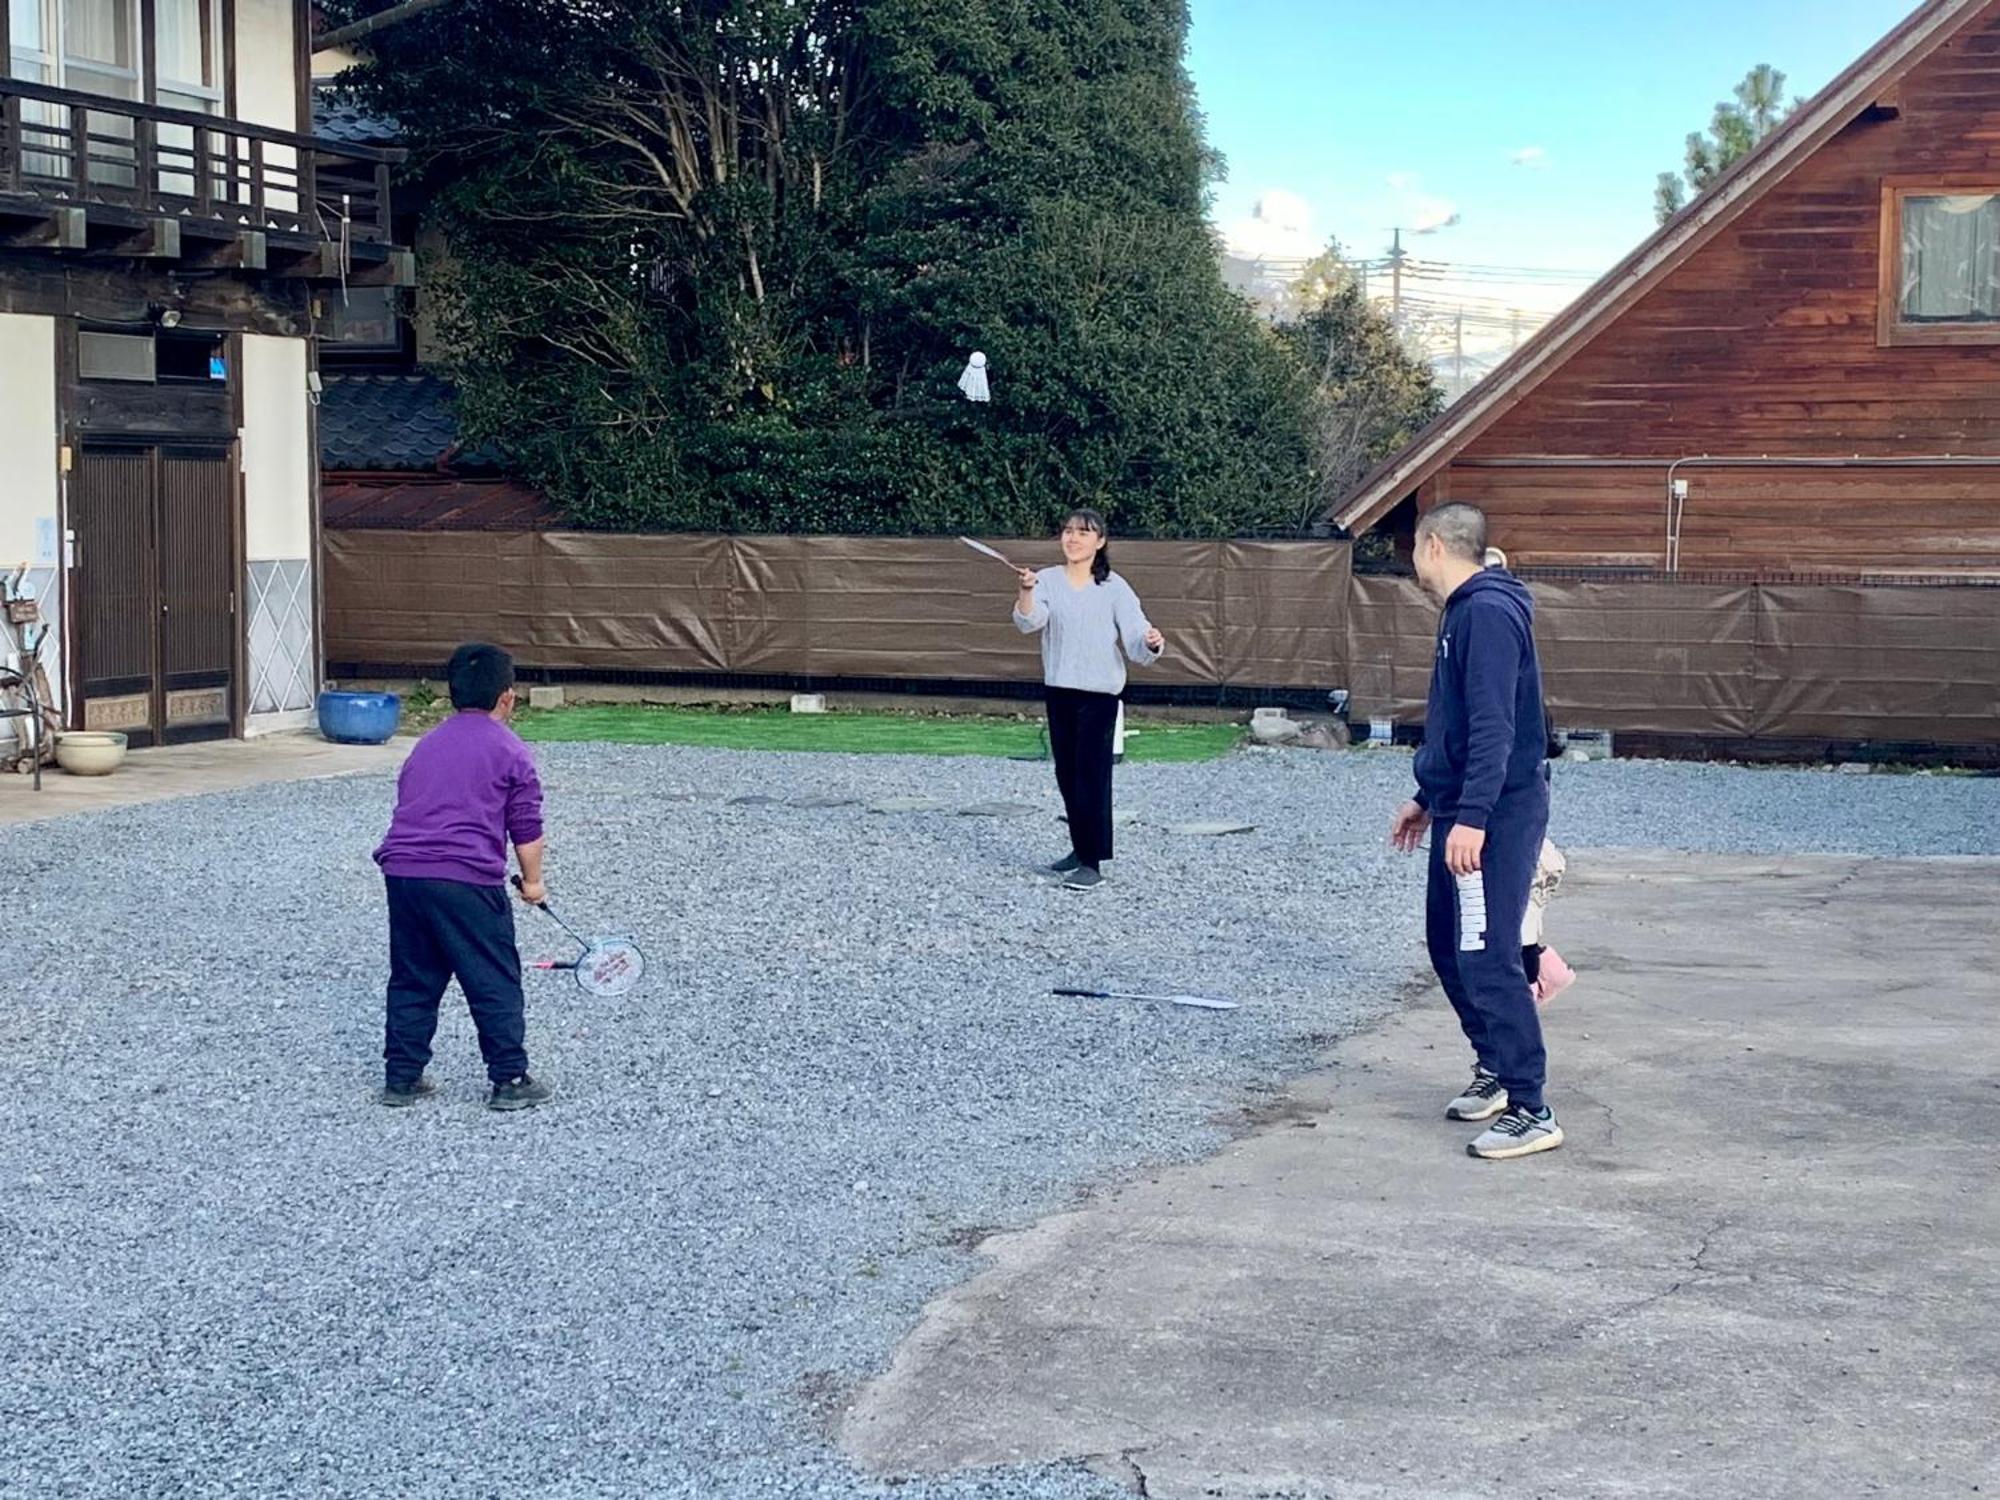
pixel 1067 865
pixel 1517 1133
pixel 521 1093
pixel 403 1095
pixel 1482 1099
pixel 1083 878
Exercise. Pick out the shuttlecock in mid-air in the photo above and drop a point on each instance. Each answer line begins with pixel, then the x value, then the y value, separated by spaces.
pixel 973 380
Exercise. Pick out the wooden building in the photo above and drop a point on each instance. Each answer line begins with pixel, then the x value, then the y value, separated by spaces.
pixel 1799 374
pixel 170 234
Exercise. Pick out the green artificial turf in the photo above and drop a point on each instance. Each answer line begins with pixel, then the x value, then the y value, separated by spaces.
pixel 853 733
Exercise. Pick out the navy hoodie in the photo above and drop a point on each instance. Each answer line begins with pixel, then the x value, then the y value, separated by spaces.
pixel 1485 736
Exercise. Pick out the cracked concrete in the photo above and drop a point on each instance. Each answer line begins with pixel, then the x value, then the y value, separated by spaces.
pixel 1762 1267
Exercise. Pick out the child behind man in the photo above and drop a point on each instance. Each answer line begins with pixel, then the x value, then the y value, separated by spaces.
pixel 1548 975
pixel 467 789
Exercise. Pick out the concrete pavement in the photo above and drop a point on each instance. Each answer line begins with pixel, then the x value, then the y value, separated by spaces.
pixel 192 770
pixel 1767 1263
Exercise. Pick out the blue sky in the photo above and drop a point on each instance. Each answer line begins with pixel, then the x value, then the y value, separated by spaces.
pixel 1376 114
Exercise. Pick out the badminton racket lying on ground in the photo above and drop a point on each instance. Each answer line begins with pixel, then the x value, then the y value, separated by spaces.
pixel 606 968
pixel 1199 1002
pixel 982 547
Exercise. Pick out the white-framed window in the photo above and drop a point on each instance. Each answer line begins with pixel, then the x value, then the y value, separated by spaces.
pixel 100 46
pixel 31 42
pixel 91 46
pixel 187 55
pixel 187 65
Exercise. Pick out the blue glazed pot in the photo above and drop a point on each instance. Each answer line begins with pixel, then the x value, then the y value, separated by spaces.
pixel 359 718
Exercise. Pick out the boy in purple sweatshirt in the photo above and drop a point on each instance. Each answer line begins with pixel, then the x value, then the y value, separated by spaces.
pixel 467 790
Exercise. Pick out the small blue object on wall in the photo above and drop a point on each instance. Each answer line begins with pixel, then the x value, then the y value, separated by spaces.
pixel 218 367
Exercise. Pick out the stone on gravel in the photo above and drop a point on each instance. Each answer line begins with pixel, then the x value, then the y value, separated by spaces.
pixel 908 805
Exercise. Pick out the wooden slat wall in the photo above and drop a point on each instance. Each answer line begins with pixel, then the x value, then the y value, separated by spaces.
pixel 1790 519
pixel 1765 343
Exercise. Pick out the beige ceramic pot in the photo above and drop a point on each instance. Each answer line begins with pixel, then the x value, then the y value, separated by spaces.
pixel 90 752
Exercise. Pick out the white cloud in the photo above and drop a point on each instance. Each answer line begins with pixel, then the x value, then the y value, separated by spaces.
pixel 1532 157
pixel 1279 228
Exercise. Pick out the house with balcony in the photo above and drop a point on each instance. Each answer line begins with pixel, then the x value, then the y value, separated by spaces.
pixel 174 241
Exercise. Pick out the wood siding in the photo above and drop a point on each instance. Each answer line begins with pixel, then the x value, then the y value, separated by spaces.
pixel 1766 343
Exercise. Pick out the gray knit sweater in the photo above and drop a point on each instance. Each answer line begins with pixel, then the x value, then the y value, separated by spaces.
pixel 1083 629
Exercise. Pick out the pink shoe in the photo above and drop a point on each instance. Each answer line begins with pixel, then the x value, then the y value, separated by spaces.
pixel 1556 976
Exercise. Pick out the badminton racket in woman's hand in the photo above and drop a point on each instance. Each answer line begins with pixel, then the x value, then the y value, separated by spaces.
pixel 996 556
pixel 1155 641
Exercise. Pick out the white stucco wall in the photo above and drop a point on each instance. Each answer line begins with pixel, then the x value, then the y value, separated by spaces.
pixel 30 486
pixel 27 431
pixel 266 68
pixel 281 551
pixel 277 456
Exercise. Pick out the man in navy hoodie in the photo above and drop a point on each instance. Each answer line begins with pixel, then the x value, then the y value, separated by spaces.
pixel 1483 792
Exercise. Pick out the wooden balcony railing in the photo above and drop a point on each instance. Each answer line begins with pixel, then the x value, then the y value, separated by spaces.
pixel 73 149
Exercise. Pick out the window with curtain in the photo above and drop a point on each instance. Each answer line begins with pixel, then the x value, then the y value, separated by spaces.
pixel 88 45
pixel 100 46
pixel 1951 259
pixel 187 50
pixel 33 59
pixel 187 60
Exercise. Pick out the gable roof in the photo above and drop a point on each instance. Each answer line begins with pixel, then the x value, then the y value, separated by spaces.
pixel 1828 112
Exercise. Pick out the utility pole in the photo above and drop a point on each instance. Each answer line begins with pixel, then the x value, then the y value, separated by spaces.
pixel 1396 259
pixel 1514 327
pixel 1458 355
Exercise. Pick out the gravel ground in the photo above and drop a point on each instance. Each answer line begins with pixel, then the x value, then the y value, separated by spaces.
pixel 225 1271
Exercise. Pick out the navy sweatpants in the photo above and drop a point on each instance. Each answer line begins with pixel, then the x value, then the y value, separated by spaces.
pixel 1473 928
pixel 440 930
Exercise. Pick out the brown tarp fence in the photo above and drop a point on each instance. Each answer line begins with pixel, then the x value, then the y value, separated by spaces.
pixel 1728 660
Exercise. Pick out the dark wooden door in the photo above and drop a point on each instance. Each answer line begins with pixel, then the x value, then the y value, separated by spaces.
pixel 197 595
pixel 155 615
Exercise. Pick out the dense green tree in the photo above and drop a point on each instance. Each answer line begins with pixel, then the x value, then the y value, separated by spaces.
pixel 1370 393
pixel 1759 107
pixel 718 263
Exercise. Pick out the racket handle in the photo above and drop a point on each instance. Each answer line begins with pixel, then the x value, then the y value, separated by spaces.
pixel 1080 994
pixel 515 881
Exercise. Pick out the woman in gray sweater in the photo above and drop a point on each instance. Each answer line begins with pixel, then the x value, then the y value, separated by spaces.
pixel 1090 621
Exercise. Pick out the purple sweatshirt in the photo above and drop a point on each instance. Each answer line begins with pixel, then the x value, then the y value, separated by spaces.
pixel 467 790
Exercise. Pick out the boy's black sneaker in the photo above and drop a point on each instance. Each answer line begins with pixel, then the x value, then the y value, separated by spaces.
pixel 519 1093
pixel 1083 878
pixel 403 1095
pixel 1065 865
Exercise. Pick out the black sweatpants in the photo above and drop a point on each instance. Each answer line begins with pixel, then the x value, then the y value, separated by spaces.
pixel 445 929
pixel 1081 726
pixel 1473 928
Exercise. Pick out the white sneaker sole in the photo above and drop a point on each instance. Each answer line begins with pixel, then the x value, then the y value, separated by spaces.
pixel 1496 1105
pixel 1547 1142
